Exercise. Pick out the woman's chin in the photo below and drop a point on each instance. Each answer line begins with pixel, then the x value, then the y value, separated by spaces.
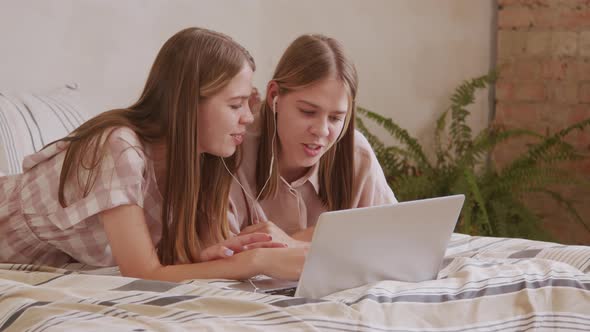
pixel 309 162
pixel 228 153
pixel 225 152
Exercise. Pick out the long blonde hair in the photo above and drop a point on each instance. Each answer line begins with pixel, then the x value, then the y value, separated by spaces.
pixel 192 65
pixel 310 59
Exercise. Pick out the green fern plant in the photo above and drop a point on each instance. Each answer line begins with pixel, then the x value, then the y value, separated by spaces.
pixel 494 198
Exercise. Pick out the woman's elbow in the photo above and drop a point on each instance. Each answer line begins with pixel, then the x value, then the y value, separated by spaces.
pixel 151 273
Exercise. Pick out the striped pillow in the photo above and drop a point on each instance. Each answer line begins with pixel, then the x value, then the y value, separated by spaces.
pixel 29 121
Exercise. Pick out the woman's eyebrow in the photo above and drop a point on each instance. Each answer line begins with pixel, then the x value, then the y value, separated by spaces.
pixel 238 97
pixel 317 106
pixel 308 103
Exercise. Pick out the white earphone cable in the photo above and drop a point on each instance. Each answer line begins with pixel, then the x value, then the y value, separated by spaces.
pixel 272 158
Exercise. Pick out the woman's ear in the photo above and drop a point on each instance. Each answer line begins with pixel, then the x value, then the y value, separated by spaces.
pixel 272 92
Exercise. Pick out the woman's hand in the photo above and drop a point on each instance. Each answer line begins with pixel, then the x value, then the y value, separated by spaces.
pixel 239 243
pixel 280 263
pixel 137 257
pixel 275 231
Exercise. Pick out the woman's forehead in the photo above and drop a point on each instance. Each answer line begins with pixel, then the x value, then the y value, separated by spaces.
pixel 330 95
pixel 239 86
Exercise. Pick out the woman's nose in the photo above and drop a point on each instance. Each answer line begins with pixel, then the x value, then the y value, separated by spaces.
pixel 320 127
pixel 247 117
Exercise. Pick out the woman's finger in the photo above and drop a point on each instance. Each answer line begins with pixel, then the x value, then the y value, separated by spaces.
pixel 216 252
pixel 237 243
pixel 269 244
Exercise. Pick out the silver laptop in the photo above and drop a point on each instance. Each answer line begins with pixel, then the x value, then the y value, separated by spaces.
pixel 350 248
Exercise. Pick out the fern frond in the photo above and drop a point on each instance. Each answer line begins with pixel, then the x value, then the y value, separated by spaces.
pixel 527 179
pixel 466 225
pixel 392 159
pixel 483 219
pixel 463 96
pixel 567 204
pixel 499 214
pixel 441 125
pixel 522 222
pixel 488 139
pixel 408 188
pixel 552 149
pixel 400 134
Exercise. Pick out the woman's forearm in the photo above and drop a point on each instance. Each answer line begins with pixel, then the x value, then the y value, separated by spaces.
pixel 226 268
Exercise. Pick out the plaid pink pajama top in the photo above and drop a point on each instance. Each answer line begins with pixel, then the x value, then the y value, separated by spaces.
pixel 35 228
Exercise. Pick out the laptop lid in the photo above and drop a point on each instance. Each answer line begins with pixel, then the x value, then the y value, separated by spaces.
pixel 404 241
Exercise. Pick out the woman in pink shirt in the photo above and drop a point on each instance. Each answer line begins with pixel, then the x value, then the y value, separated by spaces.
pixel 302 156
pixel 144 187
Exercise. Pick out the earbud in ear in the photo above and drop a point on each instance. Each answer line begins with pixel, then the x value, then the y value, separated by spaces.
pixel 274 104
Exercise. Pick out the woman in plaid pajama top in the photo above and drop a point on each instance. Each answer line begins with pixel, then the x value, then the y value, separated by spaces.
pixel 145 187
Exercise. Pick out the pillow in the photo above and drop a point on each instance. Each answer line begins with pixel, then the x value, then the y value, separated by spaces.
pixel 29 121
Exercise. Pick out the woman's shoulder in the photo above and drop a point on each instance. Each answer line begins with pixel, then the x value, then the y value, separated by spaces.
pixel 362 147
pixel 372 183
pixel 116 141
pixel 124 136
pixel 124 141
pixel 365 159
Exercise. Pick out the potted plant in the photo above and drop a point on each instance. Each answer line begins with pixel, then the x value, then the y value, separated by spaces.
pixel 461 164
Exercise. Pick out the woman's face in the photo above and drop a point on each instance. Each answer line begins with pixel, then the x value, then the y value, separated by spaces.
pixel 223 117
pixel 309 121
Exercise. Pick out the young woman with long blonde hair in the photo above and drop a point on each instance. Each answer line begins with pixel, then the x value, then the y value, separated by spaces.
pixel 303 156
pixel 143 187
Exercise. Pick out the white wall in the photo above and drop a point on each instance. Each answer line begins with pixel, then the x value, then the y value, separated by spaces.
pixel 410 54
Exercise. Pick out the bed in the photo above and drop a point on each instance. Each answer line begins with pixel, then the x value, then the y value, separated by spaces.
pixel 486 284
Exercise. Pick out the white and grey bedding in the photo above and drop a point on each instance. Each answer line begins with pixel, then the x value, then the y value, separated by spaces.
pixel 29 121
pixel 486 284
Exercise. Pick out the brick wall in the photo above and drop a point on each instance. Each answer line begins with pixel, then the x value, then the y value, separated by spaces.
pixel 543 50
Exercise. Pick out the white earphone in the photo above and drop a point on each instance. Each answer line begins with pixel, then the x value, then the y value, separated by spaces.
pixel 272 159
pixel 274 104
pixel 272 144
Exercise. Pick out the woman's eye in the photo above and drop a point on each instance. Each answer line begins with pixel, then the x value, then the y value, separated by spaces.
pixel 235 107
pixel 306 112
pixel 335 118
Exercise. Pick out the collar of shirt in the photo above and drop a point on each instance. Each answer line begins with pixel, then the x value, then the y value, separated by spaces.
pixel 312 176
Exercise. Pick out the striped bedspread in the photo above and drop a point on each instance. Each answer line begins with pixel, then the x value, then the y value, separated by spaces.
pixel 486 284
